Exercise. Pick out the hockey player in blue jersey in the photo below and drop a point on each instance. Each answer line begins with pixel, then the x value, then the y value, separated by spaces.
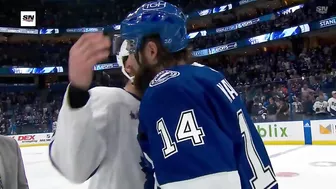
pixel 194 129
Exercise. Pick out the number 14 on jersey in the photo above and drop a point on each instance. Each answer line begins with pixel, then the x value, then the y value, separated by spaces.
pixel 187 129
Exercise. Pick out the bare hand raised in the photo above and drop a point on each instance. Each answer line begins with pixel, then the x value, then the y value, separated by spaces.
pixel 90 49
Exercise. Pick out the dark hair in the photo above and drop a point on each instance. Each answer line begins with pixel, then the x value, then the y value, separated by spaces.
pixel 166 58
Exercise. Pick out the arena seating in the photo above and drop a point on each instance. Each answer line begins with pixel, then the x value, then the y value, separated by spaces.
pixel 300 16
pixel 83 14
pixel 54 53
pixel 282 79
pixel 292 81
pixel 282 76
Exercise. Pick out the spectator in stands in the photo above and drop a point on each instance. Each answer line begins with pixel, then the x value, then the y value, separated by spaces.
pixel 271 110
pixel 307 105
pixel 298 108
pixel 283 110
pixel 12 127
pixel 306 92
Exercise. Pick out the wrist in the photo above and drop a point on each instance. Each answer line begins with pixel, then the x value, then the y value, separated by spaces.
pixel 77 96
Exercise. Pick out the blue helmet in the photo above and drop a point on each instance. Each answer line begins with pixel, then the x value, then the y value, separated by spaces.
pixel 156 18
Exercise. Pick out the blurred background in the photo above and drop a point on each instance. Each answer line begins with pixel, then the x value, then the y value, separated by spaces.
pixel 279 54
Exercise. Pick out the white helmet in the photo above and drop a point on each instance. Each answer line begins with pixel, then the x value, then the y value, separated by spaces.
pixel 122 57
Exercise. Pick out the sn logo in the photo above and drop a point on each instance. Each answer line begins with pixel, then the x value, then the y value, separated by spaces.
pixel 28 18
pixel 154 5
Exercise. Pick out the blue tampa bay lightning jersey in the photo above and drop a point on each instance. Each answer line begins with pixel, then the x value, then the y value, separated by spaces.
pixel 195 133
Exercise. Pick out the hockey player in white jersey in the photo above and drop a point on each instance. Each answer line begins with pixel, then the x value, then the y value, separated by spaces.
pixel 320 106
pixel 332 104
pixel 97 128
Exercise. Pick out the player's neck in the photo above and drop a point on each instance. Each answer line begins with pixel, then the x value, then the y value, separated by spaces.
pixel 131 89
pixel 181 62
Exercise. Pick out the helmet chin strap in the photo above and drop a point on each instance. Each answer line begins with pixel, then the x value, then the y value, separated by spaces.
pixel 131 78
pixel 137 58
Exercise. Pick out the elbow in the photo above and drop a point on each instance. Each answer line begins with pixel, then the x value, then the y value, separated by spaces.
pixel 70 172
pixel 75 179
pixel 72 168
pixel 74 174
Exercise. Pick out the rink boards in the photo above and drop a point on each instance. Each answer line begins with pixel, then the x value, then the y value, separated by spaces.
pixel 317 132
pixel 40 139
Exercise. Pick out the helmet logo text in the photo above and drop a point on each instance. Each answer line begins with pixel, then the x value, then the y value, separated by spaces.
pixel 154 5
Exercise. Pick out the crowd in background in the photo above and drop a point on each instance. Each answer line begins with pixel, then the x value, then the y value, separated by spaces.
pixel 68 14
pixel 36 111
pixel 283 21
pixel 24 112
pixel 276 85
pixel 34 54
pixel 41 53
pixel 73 13
pixel 295 84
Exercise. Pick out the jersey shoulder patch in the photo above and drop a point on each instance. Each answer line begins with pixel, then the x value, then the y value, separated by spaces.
pixel 163 76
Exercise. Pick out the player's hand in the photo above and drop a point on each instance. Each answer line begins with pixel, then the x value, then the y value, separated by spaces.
pixel 90 49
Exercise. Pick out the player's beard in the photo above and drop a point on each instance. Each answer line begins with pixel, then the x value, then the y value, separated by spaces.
pixel 144 75
pixel 147 71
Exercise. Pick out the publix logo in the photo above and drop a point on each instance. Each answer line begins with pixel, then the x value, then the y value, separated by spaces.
pixel 272 130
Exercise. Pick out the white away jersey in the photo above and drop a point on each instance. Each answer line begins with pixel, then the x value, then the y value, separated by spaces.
pixel 332 106
pixel 320 107
pixel 99 141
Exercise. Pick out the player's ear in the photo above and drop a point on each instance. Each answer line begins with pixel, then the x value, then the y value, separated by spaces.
pixel 151 52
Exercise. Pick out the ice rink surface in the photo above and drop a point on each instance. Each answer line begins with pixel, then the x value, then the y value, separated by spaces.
pixel 297 167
